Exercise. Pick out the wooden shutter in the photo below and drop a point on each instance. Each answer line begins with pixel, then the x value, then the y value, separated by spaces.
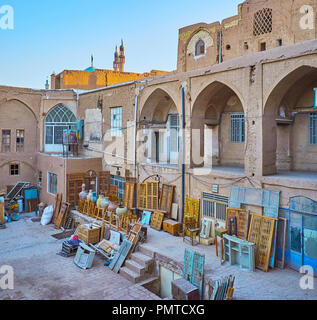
pixel 141 203
pixel 74 184
pixel 129 195
pixel 242 221
pixel 152 195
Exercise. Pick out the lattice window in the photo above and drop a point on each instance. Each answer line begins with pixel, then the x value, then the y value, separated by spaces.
pixel 14 169
pixel 116 122
pixel 263 22
pixel 58 119
pixel 200 48
pixel 313 128
pixel 51 183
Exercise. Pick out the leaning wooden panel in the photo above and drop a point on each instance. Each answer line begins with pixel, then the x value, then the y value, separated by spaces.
pixel 157 220
pixel 261 234
pixel 129 195
pixel 166 199
pixel 243 217
pixel 62 215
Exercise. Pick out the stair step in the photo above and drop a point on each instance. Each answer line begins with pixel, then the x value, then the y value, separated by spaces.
pixel 146 251
pixel 135 267
pixel 142 259
pixel 130 275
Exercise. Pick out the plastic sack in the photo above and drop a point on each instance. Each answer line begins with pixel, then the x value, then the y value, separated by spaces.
pixel 47 216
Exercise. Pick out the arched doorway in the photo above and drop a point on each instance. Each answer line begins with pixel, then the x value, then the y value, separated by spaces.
pixel 218 128
pixel 290 124
pixel 56 121
pixel 160 122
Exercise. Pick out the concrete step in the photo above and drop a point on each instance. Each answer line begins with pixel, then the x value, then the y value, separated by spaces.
pixel 146 251
pixel 130 275
pixel 142 259
pixel 148 280
pixel 135 267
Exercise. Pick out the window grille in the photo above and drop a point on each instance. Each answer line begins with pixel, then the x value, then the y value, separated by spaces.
pixel 116 122
pixel 214 206
pixel 20 141
pixel 313 128
pixel 263 22
pixel 173 138
pixel 237 128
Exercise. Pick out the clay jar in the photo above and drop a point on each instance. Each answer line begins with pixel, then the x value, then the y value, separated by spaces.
pixel 83 195
pixel 112 207
pixel 100 199
pixel 121 211
pixel 105 203
pixel 89 195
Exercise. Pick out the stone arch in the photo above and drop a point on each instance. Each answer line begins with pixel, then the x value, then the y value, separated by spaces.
pixel 211 114
pixel 282 116
pixel 23 103
pixel 157 105
pixel 160 117
pixel 10 119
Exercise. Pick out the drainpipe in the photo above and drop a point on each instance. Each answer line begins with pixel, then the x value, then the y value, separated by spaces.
pixel 183 153
pixel 220 47
pixel 135 129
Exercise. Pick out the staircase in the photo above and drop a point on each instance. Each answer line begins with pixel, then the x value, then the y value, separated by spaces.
pixel 140 266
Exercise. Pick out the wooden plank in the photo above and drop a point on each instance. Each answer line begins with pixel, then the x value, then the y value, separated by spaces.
pixel 120 257
pixel 58 203
pixel 129 195
pixel 2 222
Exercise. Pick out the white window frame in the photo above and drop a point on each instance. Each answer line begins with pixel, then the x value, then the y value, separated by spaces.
pixel 116 122
pixel 49 174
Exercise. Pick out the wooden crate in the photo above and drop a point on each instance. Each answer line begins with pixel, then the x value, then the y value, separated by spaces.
pixel 89 235
pixel 172 227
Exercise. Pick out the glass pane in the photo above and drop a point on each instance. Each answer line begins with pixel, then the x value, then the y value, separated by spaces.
pixel 310 243
pixel 49 135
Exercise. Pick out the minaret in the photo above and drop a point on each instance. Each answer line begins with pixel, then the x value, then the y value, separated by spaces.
pixel 121 57
pixel 92 61
pixel 116 60
pixel 47 86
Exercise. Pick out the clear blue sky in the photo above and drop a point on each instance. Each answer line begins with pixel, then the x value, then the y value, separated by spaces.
pixel 62 34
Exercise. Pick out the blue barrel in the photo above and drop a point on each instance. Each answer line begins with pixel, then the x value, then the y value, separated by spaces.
pixel 20 203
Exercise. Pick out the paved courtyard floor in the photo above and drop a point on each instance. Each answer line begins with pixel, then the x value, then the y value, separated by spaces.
pixel 276 284
pixel 40 274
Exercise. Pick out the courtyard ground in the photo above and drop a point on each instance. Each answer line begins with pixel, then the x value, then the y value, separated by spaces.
pixel 40 274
